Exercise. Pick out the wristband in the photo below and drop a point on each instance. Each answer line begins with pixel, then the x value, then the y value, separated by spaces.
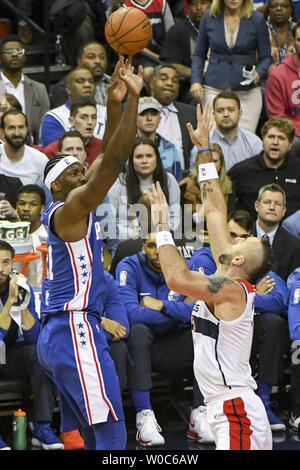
pixel 164 238
pixel 207 171
pixel 205 149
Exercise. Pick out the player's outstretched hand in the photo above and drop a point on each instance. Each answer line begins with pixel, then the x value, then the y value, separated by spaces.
pixel 134 82
pixel 117 88
pixel 200 135
pixel 159 204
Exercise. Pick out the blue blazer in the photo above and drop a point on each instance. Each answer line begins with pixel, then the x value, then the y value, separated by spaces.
pixel 225 65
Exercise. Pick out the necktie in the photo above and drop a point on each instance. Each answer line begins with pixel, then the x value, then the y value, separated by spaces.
pixel 165 123
pixel 266 237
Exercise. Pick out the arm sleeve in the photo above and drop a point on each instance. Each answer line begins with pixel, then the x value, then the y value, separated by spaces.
pixel 31 336
pixel 113 306
pixel 294 312
pixel 179 311
pixel 274 97
pixel 276 301
pixel 129 292
pixel 263 47
pixel 201 49
pixel 50 130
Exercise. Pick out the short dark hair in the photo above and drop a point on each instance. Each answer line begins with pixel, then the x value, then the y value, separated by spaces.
pixel 163 66
pixel 80 102
pixel 33 188
pixel 79 67
pixel 10 38
pixel 68 134
pixel 242 218
pixel 284 125
pixel 6 246
pixel 228 95
pixel 13 112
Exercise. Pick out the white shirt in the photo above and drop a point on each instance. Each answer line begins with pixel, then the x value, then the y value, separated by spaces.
pixel 18 92
pixel 260 232
pixel 30 169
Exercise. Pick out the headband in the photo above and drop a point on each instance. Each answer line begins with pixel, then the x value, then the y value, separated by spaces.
pixel 59 168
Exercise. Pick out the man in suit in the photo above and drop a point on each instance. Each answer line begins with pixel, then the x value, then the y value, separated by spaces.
pixel 32 95
pixel 271 207
pixel 164 86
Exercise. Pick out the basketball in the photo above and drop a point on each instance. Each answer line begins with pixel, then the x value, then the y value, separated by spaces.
pixel 128 30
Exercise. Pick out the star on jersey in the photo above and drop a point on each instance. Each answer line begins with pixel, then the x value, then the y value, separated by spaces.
pixel 83 272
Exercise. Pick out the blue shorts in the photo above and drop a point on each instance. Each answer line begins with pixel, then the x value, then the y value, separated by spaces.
pixel 74 353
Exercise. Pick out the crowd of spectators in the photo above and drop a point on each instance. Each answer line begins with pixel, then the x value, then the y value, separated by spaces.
pixel 243 58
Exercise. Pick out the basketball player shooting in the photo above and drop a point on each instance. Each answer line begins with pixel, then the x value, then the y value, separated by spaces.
pixel 72 347
pixel 222 319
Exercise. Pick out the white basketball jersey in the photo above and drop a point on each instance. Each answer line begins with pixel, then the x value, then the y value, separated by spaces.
pixel 222 348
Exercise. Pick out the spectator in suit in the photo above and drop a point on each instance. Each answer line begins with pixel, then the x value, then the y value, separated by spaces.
pixel 271 207
pixel 179 45
pixel 164 86
pixel 275 164
pixel 92 55
pixel 270 320
pixel 237 37
pixel 80 83
pixel 31 94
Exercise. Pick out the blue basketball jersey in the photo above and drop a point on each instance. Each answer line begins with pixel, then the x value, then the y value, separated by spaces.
pixel 75 277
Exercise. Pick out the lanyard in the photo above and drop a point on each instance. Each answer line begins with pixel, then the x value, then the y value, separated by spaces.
pixel 282 52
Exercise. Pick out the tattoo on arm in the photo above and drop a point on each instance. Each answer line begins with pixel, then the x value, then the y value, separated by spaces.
pixel 205 188
pixel 216 282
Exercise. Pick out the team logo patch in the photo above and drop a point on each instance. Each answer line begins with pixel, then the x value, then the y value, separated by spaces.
pixel 201 270
pixel 123 278
pixel 296 296
pixel 173 296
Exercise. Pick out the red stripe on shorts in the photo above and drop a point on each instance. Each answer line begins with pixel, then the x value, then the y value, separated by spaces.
pixel 239 424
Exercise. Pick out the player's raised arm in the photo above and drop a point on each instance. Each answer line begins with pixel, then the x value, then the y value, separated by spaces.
pixel 212 196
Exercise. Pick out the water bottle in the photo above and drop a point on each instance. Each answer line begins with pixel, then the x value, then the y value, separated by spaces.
pixel 59 54
pixel 19 423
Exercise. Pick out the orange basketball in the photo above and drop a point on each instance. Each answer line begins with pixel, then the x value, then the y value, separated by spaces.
pixel 128 30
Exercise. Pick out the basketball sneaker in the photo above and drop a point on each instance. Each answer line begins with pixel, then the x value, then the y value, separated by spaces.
pixel 148 430
pixel 199 429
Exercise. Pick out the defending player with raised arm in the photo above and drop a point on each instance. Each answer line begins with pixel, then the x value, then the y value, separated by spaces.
pixel 222 319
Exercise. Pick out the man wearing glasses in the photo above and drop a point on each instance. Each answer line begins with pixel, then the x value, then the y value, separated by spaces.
pixel 31 94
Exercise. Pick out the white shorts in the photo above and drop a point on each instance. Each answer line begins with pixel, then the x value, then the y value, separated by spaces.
pixel 240 423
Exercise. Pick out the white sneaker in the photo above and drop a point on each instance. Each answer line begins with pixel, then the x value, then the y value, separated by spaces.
pixel 199 429
pixel 148 430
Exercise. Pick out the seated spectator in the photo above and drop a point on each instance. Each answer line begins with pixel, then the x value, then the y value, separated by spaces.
pixel 9 188
pixel 144 167
pixel 160 337
pixel 30 205
pixel 31 94
pixel 293 319
pixel 164 86
pixel 19 329
pixel 7 102
pixel 18 159
pixel 237 143
pixel 275 164
pixel 292 223
pixel 190 190
pixel 271 206
pixel 71 143
pixel 180 42
pixel 92 55
pixel 148 119
pixel 281 94
pixel 80 82
pixel 83 119
pixel 270 326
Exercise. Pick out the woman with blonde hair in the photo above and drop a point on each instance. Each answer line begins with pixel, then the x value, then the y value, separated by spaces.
pixel 235 40
pixel 190 191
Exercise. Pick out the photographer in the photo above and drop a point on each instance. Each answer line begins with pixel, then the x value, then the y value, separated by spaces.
pixel 19 330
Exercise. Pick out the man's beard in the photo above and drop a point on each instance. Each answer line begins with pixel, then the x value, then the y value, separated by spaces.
pixel 15 143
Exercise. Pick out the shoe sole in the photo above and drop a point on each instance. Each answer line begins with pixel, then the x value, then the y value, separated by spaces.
pixel 278 427
pixel 37 443
pixel 194 436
